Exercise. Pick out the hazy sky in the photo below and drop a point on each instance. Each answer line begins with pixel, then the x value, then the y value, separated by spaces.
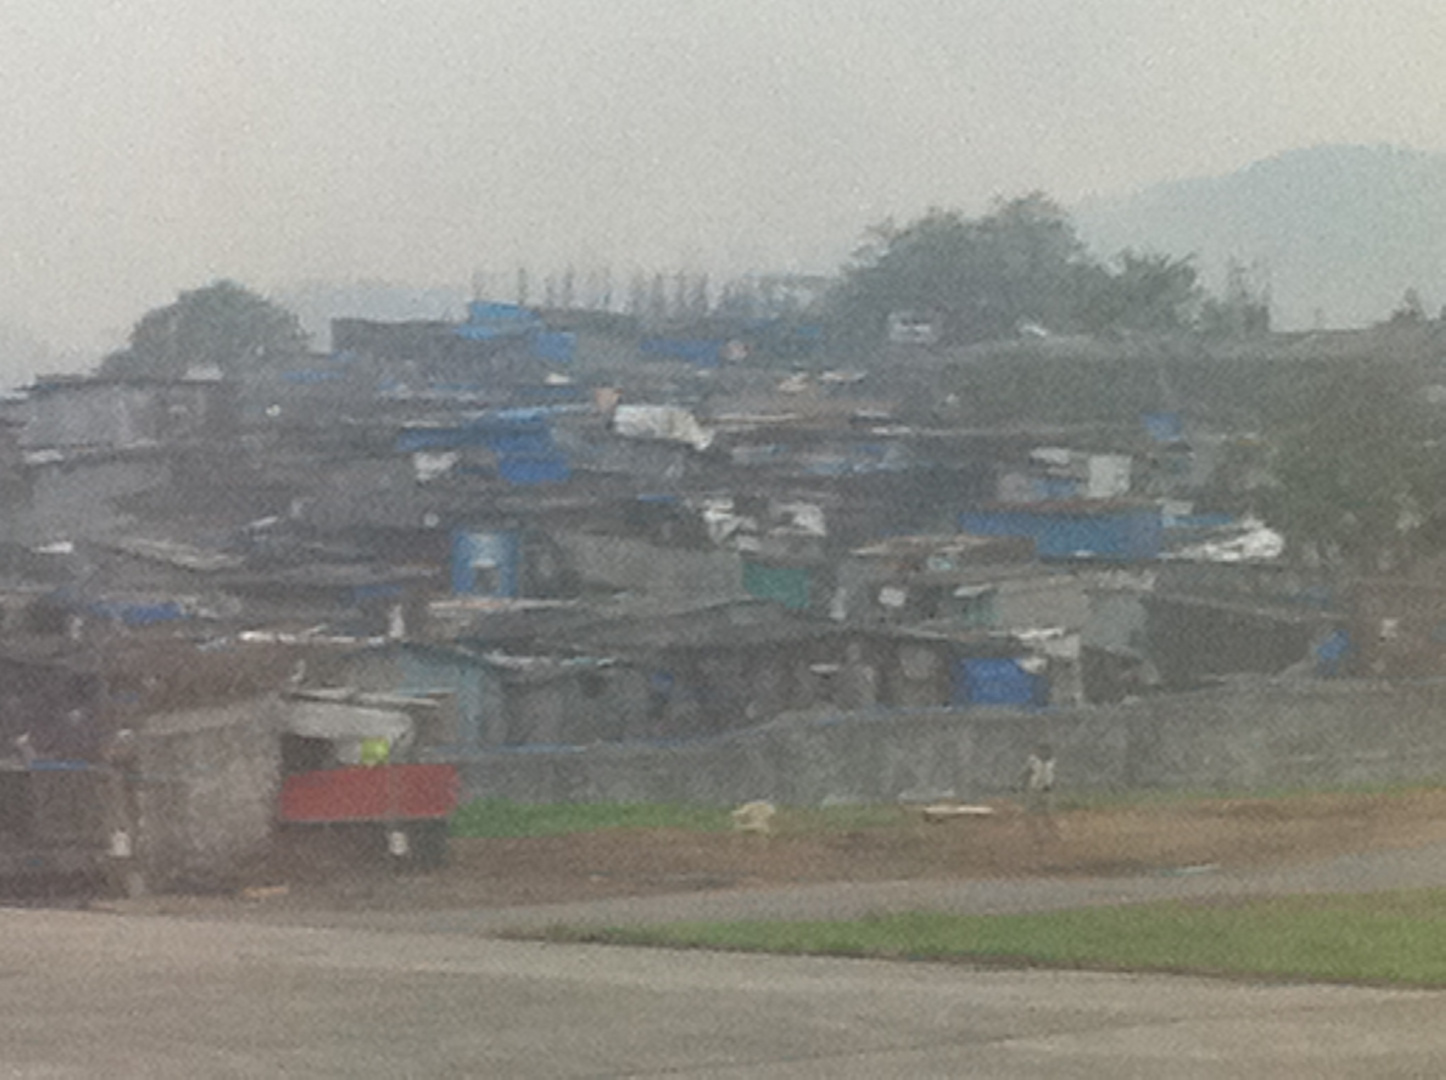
pixel 155 145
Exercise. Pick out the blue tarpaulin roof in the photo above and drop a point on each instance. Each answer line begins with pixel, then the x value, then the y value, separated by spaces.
pixel 488 321
pixel 521 439
pixel 1085 531
pixel 491 311
pixel 555 346
pixel 1165 427
pixel 996 682
pixel 526 469
pixel 137 614
pixel 705 352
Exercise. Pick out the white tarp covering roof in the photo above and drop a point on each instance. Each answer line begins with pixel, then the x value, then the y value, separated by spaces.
pixel 1058 456
pixel 430 466
pixel 346 723
pixel 1254 542
pixel 667 422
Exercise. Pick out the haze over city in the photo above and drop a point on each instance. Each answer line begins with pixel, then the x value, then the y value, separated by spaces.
pixel 155 146
pixel 931 512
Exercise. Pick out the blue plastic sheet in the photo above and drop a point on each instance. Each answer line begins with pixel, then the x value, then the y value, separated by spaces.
pixel 997 682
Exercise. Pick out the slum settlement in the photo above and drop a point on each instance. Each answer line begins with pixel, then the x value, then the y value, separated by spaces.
pixel 561 558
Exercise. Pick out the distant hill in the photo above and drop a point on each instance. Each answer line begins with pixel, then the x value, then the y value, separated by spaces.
pixel 1338 232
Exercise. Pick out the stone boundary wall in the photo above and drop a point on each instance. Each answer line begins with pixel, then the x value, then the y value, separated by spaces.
pixel 1251 736
pixel 675 574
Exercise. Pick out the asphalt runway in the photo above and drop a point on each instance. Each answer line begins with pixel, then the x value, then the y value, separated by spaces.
pixel 105 995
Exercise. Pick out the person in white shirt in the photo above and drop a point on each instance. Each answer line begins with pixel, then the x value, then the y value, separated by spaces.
pixel 1039 792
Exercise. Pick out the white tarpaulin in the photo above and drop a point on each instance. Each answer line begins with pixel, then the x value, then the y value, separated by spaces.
pixel 430 466
pixel 800 517
pixel 347 726
pixel 1254 542
pixel 1109 476
pixel 670 423
pixel 722 523
pixel 1058 456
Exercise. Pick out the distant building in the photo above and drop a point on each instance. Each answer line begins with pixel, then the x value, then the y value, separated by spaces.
pixel 115 414
pixel 916 328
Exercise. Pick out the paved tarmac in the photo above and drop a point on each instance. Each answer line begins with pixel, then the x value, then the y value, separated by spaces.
pixel 98 995
pixel 431 995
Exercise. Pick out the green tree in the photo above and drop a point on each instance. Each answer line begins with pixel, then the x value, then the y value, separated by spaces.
pixel 1144 291
pixel 1356 466
pixel 222 326
pixel 981 278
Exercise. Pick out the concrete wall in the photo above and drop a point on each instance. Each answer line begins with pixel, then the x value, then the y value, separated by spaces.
pixel 1027 600
pixel 1255 736
pixel 206 783
pixel 1028 603
pixel 1190 641
pixel 605 704
pixel 76 501
pixel 116 415
pixel 672 574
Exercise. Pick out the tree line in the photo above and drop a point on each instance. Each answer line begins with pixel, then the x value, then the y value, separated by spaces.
pixel 1024 266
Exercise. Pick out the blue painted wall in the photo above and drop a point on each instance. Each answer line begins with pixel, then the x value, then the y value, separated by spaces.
pixel 425 671
pixel 486 563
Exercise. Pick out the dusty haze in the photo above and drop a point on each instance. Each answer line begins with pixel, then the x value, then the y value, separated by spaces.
pixel 155 145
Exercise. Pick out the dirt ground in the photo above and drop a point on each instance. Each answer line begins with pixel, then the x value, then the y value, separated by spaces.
pixel 337 872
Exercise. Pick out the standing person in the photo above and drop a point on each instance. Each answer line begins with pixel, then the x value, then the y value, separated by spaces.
pixel 1039 792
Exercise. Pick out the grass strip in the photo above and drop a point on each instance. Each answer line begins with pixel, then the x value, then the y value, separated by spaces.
pixel 503 817
pixel 1395 938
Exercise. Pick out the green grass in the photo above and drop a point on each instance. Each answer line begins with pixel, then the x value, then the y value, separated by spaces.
pixel 1388 938
pixel 502 817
